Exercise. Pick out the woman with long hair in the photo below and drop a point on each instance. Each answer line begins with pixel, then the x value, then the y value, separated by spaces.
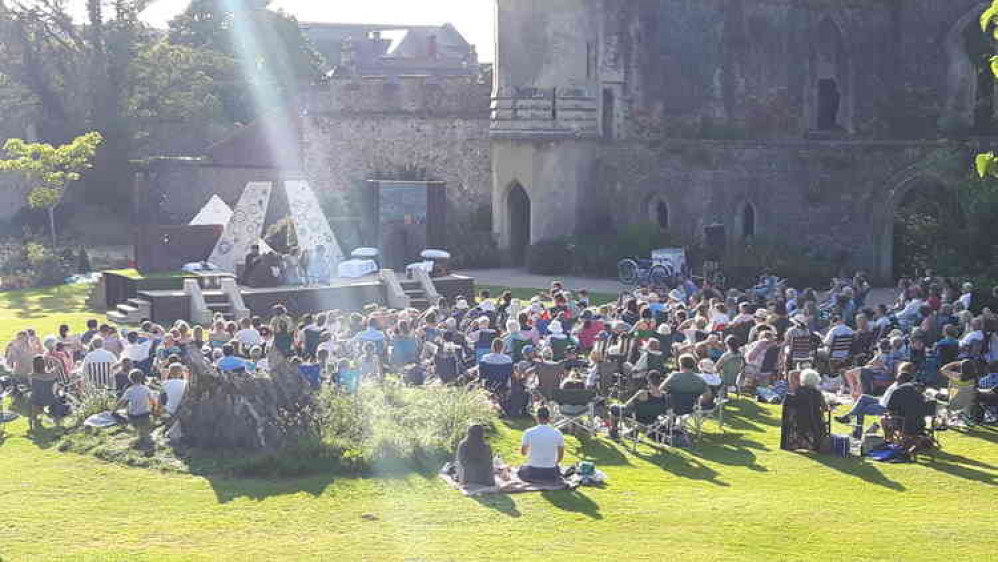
pixel 474 458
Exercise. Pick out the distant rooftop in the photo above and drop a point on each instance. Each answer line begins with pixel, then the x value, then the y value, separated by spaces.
pixel 353 49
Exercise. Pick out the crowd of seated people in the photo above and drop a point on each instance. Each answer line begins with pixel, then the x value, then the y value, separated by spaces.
pixel 649 351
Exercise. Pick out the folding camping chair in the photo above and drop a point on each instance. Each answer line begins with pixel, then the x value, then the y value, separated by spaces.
pixel 8 388
pixel 495 376
pixel 681 417
pixel 575 408
pixel 802 350
pixel 99 376
pixel 654 425
pixel 840 353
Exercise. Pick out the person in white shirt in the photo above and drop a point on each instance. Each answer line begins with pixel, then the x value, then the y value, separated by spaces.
pixel 174 389
pixel 137 351
pixel 99 354
pixel 137 400
pixel 544 447
pixel 838 330
pixel 966 299
pixel 248 336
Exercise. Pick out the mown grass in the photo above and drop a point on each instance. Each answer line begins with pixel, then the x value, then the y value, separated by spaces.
pixel 735 496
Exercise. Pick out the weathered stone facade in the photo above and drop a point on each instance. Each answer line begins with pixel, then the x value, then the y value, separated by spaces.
pixel 356 130
pixel 809 118
pixel 798 120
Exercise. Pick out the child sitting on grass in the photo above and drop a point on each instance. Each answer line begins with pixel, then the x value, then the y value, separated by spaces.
pixel 137 401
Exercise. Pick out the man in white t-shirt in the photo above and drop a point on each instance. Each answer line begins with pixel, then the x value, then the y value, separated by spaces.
pixel 99 354
pixel 248 336
pixel 544 447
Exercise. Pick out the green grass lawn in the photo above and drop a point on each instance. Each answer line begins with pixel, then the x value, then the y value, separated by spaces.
pixel 735 496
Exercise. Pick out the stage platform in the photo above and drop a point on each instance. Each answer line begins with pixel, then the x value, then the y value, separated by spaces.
pixel 167 306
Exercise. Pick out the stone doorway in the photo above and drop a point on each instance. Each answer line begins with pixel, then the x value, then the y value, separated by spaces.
pixel 518 213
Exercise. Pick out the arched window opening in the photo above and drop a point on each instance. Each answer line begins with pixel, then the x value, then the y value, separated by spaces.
pixel 518 214
pixel 829 100
pixel 829 71
pixel 748 222
pixel 658 212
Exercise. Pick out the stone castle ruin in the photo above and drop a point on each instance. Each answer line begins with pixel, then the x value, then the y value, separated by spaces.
pixel 803 120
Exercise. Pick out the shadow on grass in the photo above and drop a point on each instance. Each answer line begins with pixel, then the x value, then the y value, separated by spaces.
pixel 730 449
pixel 679 463
pixel 599 451
pixel 962 467
pixel 865 471
pixel 744 414
pixel 573 501
pixel 502 503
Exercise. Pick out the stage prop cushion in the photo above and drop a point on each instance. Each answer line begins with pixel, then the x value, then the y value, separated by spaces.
pixel 435 255
pixel 355 269
pixel 365 253
pixel 426 266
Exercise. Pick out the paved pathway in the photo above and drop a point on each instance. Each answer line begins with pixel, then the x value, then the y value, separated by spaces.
pixel 520 279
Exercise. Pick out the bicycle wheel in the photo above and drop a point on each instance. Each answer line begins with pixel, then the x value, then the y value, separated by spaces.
pixel 627 270
pixel 659 276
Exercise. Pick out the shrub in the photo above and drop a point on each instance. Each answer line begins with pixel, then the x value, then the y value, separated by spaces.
pixel 392 422
pixel 36 265
pixel 743 263
pixel 387 425
pixel 598 254
pixel 551 257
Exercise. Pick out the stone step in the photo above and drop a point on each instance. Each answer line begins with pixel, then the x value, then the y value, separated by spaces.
pixel 416 293
pixel 128 309
pixel 140 303
pixel 419 304
pixel 118 318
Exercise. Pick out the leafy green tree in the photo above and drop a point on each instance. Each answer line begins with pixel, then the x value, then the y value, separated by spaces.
pixel 50 168
pixel 273 55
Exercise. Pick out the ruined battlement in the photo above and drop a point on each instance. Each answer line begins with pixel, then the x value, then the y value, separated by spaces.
pixel 424 96
pixel 544 112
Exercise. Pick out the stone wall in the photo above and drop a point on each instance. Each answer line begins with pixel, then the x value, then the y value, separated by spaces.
pixel 837 198
pixel 380 129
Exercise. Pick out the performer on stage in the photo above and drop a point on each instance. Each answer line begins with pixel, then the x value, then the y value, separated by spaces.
pixel 252 260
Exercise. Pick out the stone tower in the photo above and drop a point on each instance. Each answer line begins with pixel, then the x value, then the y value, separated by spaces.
pixel 800 122
pixel 545 121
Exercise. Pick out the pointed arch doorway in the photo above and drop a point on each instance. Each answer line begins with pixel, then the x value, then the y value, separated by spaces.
pixel 518 217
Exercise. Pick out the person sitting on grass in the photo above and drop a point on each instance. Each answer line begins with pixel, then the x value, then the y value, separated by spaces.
pixel 474 459
pixel 647 405
pixel 121 380
pixel 137 401
pixel 544 447
pixel 174 388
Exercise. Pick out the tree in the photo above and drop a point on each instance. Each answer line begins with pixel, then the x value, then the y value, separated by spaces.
pixel 50 168
pixel 268 47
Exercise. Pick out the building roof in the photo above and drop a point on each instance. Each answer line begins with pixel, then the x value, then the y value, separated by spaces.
pixel 393 50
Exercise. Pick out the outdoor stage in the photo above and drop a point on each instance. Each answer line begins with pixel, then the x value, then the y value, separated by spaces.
pixel 169 305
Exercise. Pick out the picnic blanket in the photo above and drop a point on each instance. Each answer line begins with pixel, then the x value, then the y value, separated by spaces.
pixel 513 485
pixel 103 419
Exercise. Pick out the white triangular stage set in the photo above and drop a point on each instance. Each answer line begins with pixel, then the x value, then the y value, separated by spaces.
pixel 245 225
pixel 215 212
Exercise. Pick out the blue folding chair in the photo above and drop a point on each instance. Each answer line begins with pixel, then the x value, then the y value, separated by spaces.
pixel 495 376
